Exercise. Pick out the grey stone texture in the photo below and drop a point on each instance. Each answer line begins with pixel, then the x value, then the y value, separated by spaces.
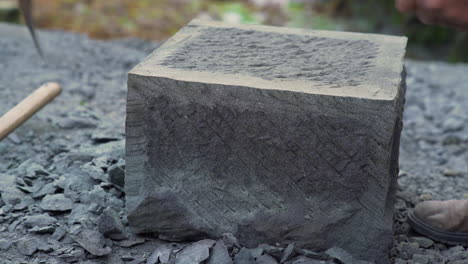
pixel 275 135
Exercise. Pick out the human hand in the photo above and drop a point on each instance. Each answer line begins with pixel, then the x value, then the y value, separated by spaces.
pixel 449 13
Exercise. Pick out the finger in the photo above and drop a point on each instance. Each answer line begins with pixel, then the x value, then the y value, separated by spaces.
pixel 431 5
pixel 428 18
pixel 458 25
pixel 457 17
pixel 406 6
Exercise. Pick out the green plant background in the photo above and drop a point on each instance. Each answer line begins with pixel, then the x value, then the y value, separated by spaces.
pixel 159 19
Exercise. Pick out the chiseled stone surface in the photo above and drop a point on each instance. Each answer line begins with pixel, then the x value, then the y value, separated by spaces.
pixel 276 135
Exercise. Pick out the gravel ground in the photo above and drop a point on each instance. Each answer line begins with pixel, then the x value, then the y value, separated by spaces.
pixel 61 173
pixel 433 154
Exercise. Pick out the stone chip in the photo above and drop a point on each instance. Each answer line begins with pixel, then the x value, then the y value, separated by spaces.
pixel 40 220
pixel 195 253
pixel 92 241
pixel 110 225
pixel 219 254
pixel 161 255
pixel 56 202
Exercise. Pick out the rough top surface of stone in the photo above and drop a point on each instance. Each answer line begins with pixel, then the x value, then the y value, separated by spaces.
pixel 276 56
pixel 307 61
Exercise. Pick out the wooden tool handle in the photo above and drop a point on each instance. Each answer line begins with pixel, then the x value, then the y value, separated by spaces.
pixel 28 107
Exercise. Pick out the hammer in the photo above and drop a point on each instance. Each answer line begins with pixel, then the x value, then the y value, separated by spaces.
pixel 36 100
pixel 27 108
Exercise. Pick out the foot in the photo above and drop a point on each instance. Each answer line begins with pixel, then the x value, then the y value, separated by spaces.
pixel 443 221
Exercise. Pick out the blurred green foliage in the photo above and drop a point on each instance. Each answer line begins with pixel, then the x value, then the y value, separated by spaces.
pixel 159 19
pixel 9 11
pixel 425 42
pixel 239 9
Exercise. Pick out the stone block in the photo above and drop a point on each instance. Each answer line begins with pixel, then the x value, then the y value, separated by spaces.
pixel 276 135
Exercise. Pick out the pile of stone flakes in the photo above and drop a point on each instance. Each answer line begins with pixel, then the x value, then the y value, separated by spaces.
pixel 74 211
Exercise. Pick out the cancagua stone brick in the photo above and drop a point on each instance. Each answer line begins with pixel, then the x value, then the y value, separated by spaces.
pixel 276 135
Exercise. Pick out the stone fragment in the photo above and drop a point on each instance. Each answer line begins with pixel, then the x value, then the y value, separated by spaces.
pixel 97 195
pixel 76 123
pixel 110 225
pixel 451 173
pixel 305 260
pixel 115 203
pixel 161 255
pixel 48 188
pixel 407 250
pixel 452 124
pixel 92 241
pixel 80 215
pixel 12 227
pixel 104 136
pixel 453 250
pixel 59 233
pixel 45 247
pixel 420 259
pixel 256 252
pixel 40 220
pixel 11 195
pixel 20 207
pixel 5 244
pixel 288 253
pixel 31 169
pixel 230 241
pixel 6 181
pixel 95 172
pixel 127 257
pixel 28 246
pixel 272 134
pixel 343 256
pixel 101 162
pixel 137 261
pixel 131 242
pixel 35 170
pixel 56 202
pixel 73 255
pixel 6 209
pixel 31 189
pixel 91 262
pixel 76 180
pixel 195 253
pixel 15 138
pixel 219 254
pixel 265 259
pixel 274 251
pixel 115 259
pixel 423 242
pixel 112 149
pixel 41 224
pixel 117 173
pixel 244 257
pixel 400 261
pixel 20 182
pixel 312 254
pixel 42 230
